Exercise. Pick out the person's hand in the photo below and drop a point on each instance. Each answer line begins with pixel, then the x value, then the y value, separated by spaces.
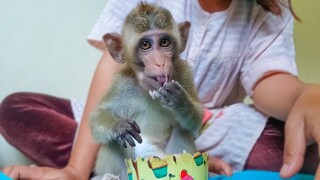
pixel 25 172
pixel 302 127
pixel 218 166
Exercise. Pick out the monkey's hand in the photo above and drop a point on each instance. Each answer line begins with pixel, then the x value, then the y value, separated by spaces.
pixel 173 96
pixel 126 130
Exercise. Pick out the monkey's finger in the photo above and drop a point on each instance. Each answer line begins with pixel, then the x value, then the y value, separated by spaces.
pixel 129 139
pixel 165 92
pixel 136 126
pixel 177 88
pixel 136 136
pixel 175 85
pixel 168 89
pixel 156 94
pixel 122 142
pixel 174 88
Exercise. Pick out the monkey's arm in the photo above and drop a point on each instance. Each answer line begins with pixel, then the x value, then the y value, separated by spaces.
pixel 110 122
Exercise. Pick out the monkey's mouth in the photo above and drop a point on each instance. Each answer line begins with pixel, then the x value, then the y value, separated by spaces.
pixel 161 79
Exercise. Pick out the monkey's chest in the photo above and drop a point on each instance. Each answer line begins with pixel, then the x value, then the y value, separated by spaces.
pixel 156 122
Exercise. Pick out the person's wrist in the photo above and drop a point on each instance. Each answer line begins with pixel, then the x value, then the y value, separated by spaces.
pixel 74 172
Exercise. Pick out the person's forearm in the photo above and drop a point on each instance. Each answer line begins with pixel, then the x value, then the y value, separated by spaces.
pixel 276 94
pixel 85 148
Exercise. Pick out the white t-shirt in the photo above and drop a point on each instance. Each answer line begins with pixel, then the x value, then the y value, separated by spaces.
pixel 228 51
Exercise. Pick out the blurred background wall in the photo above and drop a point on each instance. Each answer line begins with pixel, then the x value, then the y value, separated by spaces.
pixel 43 49
pixel 307 39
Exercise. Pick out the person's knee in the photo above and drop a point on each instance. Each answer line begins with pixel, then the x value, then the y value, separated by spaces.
pixel 11 100
pixel 10 105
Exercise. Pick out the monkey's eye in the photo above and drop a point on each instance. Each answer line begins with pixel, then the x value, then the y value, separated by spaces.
pixel 145 45
pixel 165 42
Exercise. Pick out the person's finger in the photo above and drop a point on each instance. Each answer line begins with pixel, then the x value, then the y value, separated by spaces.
pixel 218 166
pixel 317 176
pixel 20 172
pixel 294 146
pixel 10 172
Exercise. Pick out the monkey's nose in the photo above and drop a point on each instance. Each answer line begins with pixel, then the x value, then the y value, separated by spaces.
pixel 161 65
pixel 160 62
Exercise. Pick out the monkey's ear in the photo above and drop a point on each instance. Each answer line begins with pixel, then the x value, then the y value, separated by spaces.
pixel 114 45
pixel 184 28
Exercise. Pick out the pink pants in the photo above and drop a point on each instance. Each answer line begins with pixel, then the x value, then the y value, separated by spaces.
pixel 43 128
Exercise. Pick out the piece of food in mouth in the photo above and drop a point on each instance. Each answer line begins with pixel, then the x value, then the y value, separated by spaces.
pixel 161 79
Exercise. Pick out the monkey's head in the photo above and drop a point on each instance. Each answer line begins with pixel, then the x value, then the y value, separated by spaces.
pixel 149 44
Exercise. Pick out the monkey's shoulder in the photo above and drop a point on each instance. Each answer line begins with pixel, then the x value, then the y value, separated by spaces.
pixel 123 86
pixel 126 79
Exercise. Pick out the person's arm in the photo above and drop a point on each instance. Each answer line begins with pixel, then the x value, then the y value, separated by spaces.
pixel 285 97
pixel 276 93
pixel 85 149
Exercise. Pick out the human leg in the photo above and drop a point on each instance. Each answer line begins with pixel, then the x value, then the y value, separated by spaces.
pixel 40 126
pixel 267 154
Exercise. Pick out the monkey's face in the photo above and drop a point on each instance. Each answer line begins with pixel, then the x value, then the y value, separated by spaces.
pixel 154 59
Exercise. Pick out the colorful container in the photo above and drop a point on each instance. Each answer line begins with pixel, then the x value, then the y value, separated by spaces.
pixel 171 167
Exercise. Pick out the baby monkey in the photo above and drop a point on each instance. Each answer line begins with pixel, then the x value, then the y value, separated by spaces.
pixel 152 104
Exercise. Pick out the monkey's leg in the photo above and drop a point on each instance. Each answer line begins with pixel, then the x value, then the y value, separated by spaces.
pixel 111 160
pixel 180 140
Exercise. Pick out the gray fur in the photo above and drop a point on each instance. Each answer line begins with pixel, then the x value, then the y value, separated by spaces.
pixel 164 124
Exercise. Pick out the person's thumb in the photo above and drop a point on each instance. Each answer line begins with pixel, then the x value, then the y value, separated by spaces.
pixel 294 147
pixel 217 165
